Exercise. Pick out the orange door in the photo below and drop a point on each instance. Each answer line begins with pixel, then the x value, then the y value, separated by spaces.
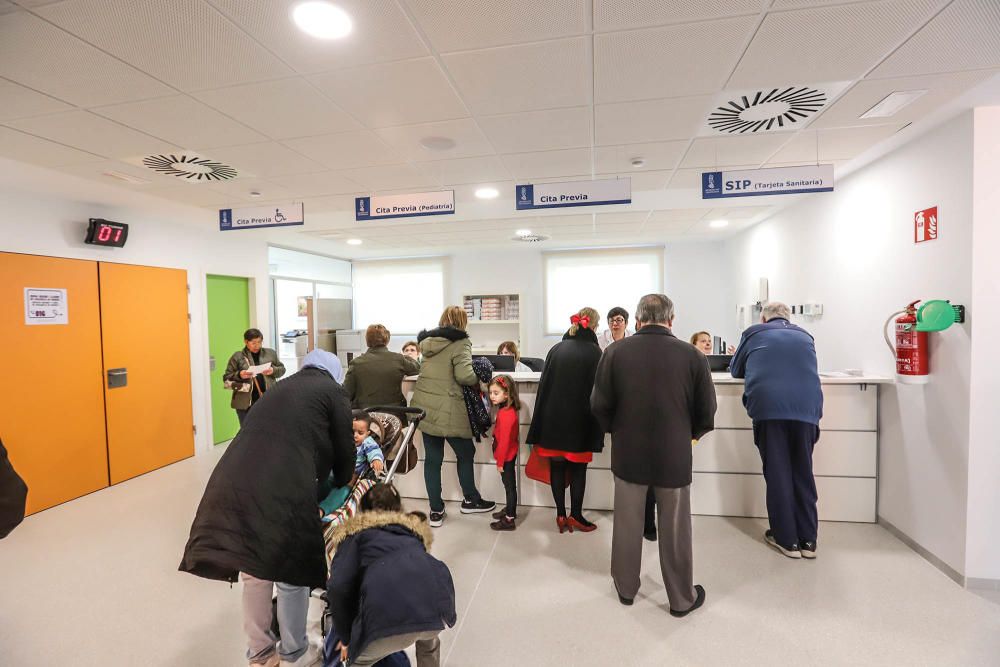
pixel 51 401
pixel 144 315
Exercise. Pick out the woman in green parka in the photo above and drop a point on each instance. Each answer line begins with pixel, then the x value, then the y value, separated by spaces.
pixel 446 368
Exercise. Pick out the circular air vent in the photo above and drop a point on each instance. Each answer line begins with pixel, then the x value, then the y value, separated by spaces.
pixel 529 238
pixel 190 167
pixel 763 111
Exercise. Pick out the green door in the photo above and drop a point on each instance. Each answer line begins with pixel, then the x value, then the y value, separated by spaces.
pixel 228 318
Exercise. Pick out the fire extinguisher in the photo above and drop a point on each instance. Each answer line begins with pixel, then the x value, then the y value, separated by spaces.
pixel 911 347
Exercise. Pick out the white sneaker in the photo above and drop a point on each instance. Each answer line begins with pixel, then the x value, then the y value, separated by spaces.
pixel 272 661
pixel 310 658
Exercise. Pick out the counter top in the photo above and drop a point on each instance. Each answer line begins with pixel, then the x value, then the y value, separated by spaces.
pixel 718 378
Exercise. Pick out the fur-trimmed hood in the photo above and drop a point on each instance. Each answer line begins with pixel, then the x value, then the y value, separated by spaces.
pixel 365 520
pixel 450 333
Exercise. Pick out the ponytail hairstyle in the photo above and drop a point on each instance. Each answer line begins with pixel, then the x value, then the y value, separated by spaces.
pixel 587 317
pixel 506 383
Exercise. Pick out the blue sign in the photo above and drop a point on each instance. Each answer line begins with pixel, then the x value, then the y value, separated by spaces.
pixel 761 182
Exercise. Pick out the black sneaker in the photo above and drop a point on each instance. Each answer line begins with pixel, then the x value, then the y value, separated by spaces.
pixel 808 550
pixel 650 534
pixel 698 601
pixel 478 506
pixel 499 514
pixel 436 519
pixel 504 523
pixel 624 600
pixel 791 551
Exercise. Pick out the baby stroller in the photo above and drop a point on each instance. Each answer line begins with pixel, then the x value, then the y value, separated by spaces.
pixel 395 427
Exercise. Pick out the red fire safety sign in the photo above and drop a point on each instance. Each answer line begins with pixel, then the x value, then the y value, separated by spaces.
pixel 925 225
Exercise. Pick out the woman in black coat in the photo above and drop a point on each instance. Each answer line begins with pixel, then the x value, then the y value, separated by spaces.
pixel 259 513
pixel 562 427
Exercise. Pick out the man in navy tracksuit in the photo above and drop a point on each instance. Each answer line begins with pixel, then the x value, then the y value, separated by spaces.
pixel 783 397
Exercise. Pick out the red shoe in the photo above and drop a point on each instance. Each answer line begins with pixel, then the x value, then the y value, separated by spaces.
pixel 576 524
pixel 563 525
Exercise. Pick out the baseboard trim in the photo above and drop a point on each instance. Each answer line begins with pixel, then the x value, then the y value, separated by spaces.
pixel 948 570
pixel 978 583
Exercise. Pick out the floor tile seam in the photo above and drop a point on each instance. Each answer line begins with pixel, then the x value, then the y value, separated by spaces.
pixel 472 599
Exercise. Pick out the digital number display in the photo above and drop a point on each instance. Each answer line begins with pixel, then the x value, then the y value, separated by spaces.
pixel 106 233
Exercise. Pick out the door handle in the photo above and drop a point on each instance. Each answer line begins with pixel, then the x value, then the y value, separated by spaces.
pixel 211 363
pixel 117 377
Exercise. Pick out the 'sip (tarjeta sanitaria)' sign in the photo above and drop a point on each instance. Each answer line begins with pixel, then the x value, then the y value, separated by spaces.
pixel 759 182
pixel 441 202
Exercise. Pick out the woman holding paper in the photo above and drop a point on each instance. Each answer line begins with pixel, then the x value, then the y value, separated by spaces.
pixel 251 372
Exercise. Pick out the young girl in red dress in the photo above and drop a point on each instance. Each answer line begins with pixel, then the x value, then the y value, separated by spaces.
pixel 503 394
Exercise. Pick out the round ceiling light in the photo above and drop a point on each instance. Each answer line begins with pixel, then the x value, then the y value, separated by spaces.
pixel 322 20
pixel 487 193
pixel 719 224
pixel 354 241
pixel 437 143
pixel 637 162
pixel 523 232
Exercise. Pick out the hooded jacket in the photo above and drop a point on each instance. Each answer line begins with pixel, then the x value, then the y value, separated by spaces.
pixel 384 582
pixel 13 495
pixel 562 419
pixel 258 514
pixel 446 368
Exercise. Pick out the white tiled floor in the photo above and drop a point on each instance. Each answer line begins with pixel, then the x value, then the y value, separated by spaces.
pixel 94 582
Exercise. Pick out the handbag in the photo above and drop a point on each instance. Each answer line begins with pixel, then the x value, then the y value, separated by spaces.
pixel 537 468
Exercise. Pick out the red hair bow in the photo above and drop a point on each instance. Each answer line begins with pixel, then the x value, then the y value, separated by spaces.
pixel 582 321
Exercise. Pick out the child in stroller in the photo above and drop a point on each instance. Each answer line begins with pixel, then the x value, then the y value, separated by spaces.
pixel 369 464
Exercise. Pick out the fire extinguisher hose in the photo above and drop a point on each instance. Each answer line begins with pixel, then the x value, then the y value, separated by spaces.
pixel 885 331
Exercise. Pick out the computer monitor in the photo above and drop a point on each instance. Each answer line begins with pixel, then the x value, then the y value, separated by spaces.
pixel 719 363
pixel 501 362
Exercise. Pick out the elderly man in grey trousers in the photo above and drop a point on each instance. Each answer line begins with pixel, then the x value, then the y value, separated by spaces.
pixel 654 394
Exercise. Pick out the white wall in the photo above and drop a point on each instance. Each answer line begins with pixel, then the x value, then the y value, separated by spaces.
pixel 695 278
pixel 853 251
pixel 36 221
pixel 983 544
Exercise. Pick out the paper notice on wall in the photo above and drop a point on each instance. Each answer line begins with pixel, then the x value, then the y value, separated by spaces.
pixel 45 306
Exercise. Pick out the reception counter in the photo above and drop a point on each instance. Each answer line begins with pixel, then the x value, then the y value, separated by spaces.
pixel 728 480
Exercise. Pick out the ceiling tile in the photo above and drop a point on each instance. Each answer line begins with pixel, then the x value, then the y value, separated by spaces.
pixel 265 160
pixel 346 150
pixel 98 171
pixel 526 77
pixel 724 151
pixel 391 177
pixel 336 203
pixel 667 228
pixel 26 148
pixel 281 109
pixel 738 212
pixel 467 170
pixel 656 156
pixel 481 23
pixel 676 61
pixel 684 179
pixel 399 93
pixel 941 88
pixel 538 130
pixel 239 189
pixel 621 14
pixel 469 140
pixel 642 180
pixel 91 133
pixel 834 144
pixel 828 43
pixel 185 43
pixel 966 35
pixel 622 218
pixel 182 121
pixel 652 120
pixel 549 164
pixel 381 33
pixel 6 7
pixel 21 102
pixel 677 215
pixel 41 56
pixel 318 184
pixel 193 194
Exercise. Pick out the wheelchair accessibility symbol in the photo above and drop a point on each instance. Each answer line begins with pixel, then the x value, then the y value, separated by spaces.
pixel 279 216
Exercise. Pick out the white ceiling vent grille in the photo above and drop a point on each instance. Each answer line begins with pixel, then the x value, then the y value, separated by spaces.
pixel 191 168
pixel 775 109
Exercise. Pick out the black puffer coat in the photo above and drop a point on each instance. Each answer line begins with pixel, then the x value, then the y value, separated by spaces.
pixel 383 582
pixel 13 494
pixel 562 419
pixel 258 514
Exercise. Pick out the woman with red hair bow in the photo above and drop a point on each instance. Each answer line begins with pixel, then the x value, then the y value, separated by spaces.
pixel 563 430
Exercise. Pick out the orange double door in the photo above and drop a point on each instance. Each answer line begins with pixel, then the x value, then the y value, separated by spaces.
pixel 103 394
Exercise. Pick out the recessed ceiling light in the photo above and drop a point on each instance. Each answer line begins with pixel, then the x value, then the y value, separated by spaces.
pixel 487 193
pixel 523 232
pixel 437 143
pixel 719 224
pixel 322 20
pixel 254 193
pixel 893 103
pixel 637 162
pixel 354 241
